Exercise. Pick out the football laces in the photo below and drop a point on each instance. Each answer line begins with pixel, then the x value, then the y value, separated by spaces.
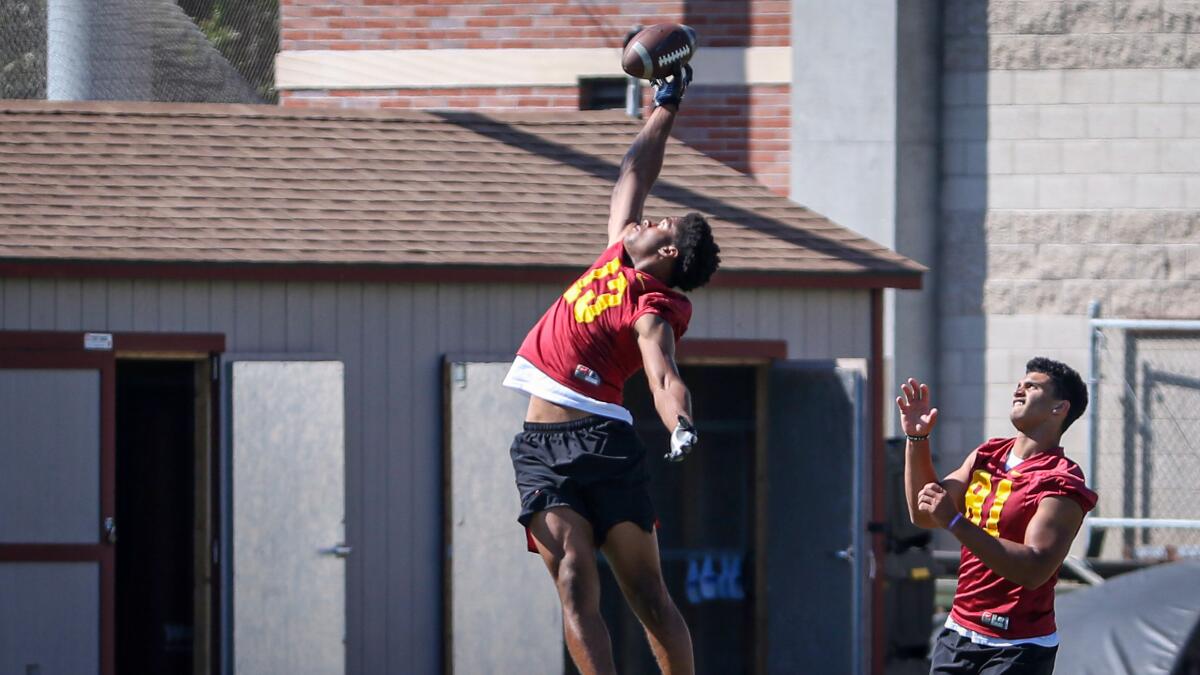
pixel 672 57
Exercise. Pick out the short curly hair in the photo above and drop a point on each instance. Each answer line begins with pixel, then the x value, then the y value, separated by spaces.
pixel 1068 385
pixel 698 253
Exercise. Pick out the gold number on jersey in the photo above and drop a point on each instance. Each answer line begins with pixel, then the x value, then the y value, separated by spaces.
pixel 977 493
pixel 587 305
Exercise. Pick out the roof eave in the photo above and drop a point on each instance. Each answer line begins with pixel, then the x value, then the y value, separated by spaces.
pixel 259 271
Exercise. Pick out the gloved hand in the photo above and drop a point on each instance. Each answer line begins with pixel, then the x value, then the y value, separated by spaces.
pixel 670 92
pixel 683 439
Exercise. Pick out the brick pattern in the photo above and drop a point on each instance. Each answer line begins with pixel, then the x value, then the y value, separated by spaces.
pixel 1063 185
pixel 523 24
pixel 747 128
pixel 1073 34
pixel 1070 137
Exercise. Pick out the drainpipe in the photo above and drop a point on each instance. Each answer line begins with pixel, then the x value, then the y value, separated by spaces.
pixel 633 85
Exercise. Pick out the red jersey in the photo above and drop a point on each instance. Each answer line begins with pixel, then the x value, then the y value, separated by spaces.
pixel 1002 502
pixel 586 341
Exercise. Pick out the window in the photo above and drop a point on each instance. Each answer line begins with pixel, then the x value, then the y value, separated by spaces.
pixel 602 93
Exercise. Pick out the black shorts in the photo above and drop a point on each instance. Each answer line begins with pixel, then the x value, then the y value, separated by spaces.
pixel 954 653
pixel 595 465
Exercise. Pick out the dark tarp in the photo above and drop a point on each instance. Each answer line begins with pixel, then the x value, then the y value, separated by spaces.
pixel 1145 622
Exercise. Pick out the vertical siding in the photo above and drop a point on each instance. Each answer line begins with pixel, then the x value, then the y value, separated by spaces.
pixel 398 469
pixel 392 339
pixel 68 303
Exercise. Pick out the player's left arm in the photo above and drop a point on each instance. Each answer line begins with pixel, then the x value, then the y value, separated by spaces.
pixel 1030 563
pixel 656 341
pixel 639 169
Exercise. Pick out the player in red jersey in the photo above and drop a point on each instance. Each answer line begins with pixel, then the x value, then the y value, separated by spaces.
pixel 1015 504
pixel 580 469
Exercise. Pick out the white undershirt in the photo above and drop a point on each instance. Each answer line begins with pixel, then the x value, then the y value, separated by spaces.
pixel 1012 461
pixel 978 638
pixel 524 376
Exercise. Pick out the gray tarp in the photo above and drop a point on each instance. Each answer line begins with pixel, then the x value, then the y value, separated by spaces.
pixel 1145 622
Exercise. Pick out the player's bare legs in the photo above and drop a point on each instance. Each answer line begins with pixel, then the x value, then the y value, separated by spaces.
pixel 566 543
pixel 633 554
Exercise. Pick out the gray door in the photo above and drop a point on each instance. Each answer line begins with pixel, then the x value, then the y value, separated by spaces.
pixel 816 464
pixel 56 491
pixel 287 446
pixel 503 612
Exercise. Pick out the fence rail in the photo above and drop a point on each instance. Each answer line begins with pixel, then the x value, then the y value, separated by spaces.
pixel 1143 435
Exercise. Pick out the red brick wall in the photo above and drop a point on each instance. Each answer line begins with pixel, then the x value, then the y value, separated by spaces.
pixel 746 127
pixel 499 24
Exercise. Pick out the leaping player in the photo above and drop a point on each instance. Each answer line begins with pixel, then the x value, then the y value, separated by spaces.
pixel 580 469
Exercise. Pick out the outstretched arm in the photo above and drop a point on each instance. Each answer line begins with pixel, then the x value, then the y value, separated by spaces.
pixel 656 341
pixel 644 159
pixel 639 170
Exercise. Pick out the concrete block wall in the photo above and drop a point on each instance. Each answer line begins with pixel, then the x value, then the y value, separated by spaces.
pixel 1071 172
pixel 745 124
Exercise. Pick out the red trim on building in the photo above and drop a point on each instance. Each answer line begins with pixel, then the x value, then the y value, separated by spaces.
pixel 29 350
pixel 421 274
pixel 65 350
pixel 733 349
pixel 133 342
pixel 108 509
pixel 875 371
pixel 50 553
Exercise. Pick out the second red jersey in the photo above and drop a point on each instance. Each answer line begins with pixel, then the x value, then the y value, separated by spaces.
pixel 586 341
pixel 1002 502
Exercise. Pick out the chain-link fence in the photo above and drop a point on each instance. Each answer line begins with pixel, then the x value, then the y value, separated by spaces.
pixel 1144 448
pixel 23 49
pixel 216 51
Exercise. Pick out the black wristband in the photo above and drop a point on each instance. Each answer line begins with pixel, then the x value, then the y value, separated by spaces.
pixel 917 438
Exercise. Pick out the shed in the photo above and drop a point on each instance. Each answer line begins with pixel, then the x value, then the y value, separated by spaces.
pixel 247 387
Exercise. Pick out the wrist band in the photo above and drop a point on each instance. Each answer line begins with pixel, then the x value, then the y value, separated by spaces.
pixel 954 521
pixel 917 438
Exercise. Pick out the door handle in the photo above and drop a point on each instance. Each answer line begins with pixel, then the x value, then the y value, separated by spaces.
pixel 846 554
pixel 110 529
pixel 339 550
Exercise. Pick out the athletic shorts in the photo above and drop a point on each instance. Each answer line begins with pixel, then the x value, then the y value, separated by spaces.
pixel 595 465
pixel 955 654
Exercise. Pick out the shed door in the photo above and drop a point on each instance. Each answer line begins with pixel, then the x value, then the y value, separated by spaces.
pixel 816 505
pixel 56 490
pixel 503 612
pixel 288 516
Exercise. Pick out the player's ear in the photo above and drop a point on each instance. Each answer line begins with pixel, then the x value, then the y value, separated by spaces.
pixel 668 251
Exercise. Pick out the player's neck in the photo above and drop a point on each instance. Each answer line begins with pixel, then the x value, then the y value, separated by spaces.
pixel 1035 441
pixel 654 266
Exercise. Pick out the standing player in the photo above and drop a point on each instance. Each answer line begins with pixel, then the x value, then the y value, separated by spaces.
pixel 1015 504
pixel 580 469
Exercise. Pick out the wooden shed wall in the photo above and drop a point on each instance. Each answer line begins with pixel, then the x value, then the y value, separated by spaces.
pixel 392 338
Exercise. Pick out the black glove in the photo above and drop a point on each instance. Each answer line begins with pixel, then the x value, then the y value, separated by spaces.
pixel 670 92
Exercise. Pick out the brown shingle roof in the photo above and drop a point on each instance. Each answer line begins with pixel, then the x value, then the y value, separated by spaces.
pixel 172 183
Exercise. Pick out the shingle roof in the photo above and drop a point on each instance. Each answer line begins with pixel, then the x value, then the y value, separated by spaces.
pixel 183 183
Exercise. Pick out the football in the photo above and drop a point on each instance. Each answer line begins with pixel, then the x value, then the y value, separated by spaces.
pixel 657 51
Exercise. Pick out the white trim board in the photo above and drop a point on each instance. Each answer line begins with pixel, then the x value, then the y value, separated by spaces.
pixel 434 68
